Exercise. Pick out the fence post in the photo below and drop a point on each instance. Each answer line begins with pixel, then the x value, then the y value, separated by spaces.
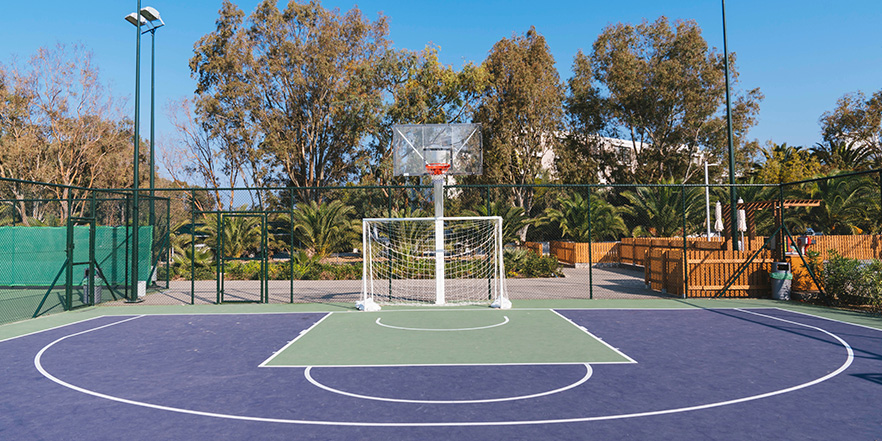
pixel 69 248
pixel 291 246
pixel 168 243
pixel 192 247
pixel 685 284
pixel 780 253
pixel 590 256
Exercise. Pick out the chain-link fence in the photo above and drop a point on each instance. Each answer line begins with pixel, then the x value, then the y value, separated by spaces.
pixel 66 247
pixel 835 241
pixel 303 245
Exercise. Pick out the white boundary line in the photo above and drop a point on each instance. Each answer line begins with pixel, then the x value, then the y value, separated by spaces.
pixel 583 329
pixel 555 363
pixel 842 368
pixel 302 333
pixel 442 330
pixel 829 319
pixel 54 327
pixel 588 372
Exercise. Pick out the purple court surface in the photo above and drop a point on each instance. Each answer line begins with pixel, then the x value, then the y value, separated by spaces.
pixel 716 374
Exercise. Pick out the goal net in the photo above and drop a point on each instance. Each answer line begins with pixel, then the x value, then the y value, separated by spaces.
pixel 448 260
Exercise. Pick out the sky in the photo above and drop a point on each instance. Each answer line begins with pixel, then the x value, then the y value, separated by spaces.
pixel 802 55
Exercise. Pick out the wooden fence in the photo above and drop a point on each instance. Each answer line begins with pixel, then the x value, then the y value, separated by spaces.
pixel 536 247
pixel 576 253
pixel 863 247
pixel 710 264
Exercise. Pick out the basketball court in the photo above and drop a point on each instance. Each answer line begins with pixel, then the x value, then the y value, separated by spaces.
pixel 661 371
pixel 433 342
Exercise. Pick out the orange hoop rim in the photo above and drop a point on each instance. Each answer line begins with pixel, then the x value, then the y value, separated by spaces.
pixel 437 168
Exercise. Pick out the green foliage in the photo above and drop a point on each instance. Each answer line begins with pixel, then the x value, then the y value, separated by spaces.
pixel 856 122
pixel 525 263
pixel 783 163
pixel 203 261
pixel 848 206
pixel 840 155
pixel 240 235
pixel 658 211
pixel 513 219
pixel 520 112
pixel 242 270
pixel 664 88
pixel 573 219
pixel 294 90
pixel 853 282
pixel 325 228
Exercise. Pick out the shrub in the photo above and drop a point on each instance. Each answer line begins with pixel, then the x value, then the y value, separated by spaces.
pixel 853 282
pixel 526 263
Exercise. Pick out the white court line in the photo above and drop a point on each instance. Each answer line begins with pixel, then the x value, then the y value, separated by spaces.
pixel 439 330
pixel 583 329
pixel 54 327
pixel 302 333
pixel 828 319
pixel 842 368
pixel 588 372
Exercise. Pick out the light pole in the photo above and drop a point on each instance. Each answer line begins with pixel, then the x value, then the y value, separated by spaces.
pixel 733 192
pixel 133 296
pixel 149 18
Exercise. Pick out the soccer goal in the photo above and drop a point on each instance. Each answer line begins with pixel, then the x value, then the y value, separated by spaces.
pixel 445 260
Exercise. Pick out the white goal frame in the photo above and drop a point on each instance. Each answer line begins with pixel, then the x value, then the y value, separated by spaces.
pixel 497 291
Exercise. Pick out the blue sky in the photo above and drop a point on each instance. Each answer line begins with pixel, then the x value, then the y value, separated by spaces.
pixel 803 55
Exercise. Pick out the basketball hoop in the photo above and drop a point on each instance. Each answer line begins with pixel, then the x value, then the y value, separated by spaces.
pixel 437 168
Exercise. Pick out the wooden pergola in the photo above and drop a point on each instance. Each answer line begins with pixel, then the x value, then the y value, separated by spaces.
pixel 750 209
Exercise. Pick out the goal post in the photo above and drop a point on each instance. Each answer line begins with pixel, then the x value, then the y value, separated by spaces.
pixel 441 260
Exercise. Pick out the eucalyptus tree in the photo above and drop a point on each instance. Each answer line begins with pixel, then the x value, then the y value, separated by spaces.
pixel 59 124
pixel 663 90
pixel 521 112
pixel 292 93
pixel 856 121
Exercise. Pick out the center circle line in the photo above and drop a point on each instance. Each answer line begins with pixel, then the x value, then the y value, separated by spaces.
pixel 442 330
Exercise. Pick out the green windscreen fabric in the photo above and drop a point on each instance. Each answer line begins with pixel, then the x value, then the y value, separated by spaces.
pixel 33 256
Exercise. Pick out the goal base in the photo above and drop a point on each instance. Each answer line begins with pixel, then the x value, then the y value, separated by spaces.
pixel 367 305
pixel 501 303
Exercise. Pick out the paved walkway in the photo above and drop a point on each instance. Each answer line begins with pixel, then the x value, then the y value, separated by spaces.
pixel 603 283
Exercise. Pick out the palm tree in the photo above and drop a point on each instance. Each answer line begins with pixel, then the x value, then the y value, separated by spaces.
pixel 240 235
pixel 324 228
pixel 514 218
pixel 573 219
pixel 186 260
pixel 839 155
pixel 848 206
pixel 658 211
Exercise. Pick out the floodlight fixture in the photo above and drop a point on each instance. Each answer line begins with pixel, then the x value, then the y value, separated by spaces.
pixel 133 19
pixel 152 15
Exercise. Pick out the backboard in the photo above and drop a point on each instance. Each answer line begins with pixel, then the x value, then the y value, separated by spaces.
pixel 416 145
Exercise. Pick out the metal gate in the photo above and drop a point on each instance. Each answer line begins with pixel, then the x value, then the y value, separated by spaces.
pixel 232 288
